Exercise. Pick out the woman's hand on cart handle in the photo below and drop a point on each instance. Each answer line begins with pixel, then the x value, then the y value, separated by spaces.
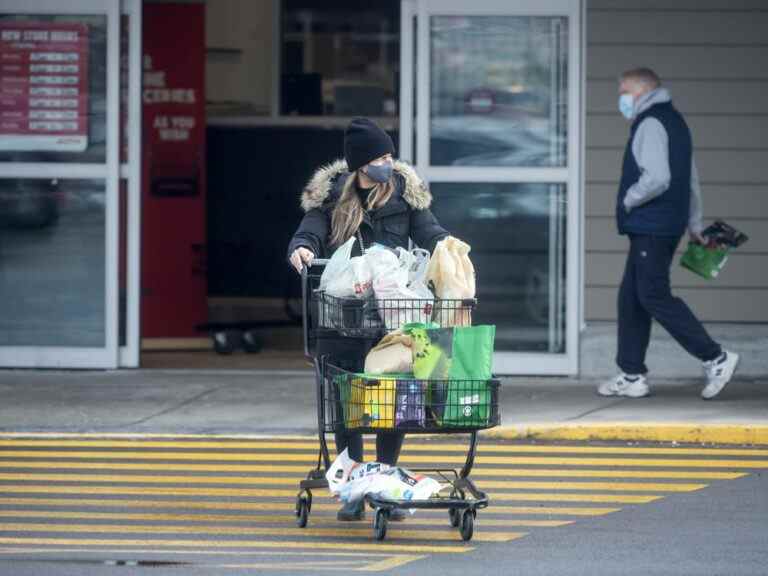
pixel 301 257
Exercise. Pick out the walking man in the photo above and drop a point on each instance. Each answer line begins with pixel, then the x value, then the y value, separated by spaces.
pixel 659 198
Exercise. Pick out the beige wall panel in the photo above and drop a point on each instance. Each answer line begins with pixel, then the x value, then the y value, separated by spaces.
pixel 703 27
pixel 680 62
pixel 676 5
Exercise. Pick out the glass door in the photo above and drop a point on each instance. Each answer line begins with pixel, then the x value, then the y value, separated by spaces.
pixel 59 183
pixel 490 116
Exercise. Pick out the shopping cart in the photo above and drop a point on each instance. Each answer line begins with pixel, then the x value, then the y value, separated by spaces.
pixel 393 403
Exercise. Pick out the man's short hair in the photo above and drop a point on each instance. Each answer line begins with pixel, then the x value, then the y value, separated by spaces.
pixel 643 76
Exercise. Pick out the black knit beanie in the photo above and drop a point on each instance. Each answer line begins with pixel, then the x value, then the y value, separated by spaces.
pixel 363 142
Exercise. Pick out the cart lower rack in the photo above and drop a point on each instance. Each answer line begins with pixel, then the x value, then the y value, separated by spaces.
pixel 349 401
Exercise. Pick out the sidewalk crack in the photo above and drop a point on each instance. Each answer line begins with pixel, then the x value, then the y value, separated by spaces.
pixel 594 410
pixel 175 407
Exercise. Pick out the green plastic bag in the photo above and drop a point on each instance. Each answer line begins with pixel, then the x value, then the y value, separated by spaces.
pixel 457 362
pixel 457 353
pixel 706 261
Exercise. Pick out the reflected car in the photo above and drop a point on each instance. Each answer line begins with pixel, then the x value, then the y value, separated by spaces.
pixel 29 202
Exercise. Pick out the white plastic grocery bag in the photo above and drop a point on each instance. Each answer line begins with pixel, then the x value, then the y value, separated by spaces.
pixel 345 276
pixel 351 481
pixel 402 295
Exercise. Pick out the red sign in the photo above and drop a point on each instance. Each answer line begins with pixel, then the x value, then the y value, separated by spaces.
pixel 43 86
pixel 173 199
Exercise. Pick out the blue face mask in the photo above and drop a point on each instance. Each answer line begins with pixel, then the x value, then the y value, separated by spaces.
pixel 380 173
pixel 627 106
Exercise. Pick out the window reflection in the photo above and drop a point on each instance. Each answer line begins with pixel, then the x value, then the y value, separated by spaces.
pixel 52 255
pixel 517 235
pixel 499 91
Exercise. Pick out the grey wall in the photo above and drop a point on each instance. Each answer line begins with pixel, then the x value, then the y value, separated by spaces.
pixel 713 56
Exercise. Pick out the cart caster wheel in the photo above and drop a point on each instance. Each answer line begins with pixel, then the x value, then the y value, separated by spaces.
pixel 302 512
pixel 252 343
pixel 467 528
pixel 380 524
pixel 455 515
pixel 225 342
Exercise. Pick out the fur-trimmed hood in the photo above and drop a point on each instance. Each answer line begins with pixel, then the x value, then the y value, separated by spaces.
pixel 320 186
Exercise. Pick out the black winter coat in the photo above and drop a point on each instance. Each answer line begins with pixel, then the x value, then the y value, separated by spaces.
pixel 405 215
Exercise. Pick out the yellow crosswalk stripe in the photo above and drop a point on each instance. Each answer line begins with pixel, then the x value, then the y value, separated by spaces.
pixel 282 481
pixel 360 562
pixel 606 486
pixel 275 493
pixel 409 447
pixel 394 531
pixel 285 544
pixel 285 518
pixel 302 470
pixel 605 498
pixel 311 459
pixel 286 507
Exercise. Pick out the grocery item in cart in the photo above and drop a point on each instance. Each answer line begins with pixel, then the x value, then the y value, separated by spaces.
pixel 410 404
pixel 461 403
pixel 459 352
pixel 351 481
pixel 452 276
pixel 367 402
pixel 391 355
pixel 399 286
pixel 346 276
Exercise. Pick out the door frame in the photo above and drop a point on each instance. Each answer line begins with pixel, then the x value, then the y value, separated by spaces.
pixel 111 355
pixel 571 175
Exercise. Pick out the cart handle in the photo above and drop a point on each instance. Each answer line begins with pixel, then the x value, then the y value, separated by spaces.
pixel 305 297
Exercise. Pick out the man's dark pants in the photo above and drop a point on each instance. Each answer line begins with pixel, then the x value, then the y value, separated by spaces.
pixel 645 295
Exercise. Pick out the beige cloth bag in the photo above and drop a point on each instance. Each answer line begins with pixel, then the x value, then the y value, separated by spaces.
pixel 392 355
pixel 452 276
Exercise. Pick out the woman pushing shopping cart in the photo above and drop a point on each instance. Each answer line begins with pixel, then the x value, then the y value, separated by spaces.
pixel 378 201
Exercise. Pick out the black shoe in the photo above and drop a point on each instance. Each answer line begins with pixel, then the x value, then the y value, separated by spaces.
pixel 351 512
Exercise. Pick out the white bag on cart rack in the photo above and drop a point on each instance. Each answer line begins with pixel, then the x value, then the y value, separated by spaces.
pixel 351 481
pixel 401 293
pixel 346 276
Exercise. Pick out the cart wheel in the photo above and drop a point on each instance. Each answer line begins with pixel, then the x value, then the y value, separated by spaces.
pixel 467 525
pixel 252 343
pixel 455 516
pixel 380 524
pixel 302 511
pixel 225 342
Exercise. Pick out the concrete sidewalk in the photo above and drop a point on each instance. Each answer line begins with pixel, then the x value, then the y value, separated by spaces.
pixel 282 402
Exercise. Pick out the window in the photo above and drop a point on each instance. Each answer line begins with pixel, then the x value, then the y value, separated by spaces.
pixel 340 59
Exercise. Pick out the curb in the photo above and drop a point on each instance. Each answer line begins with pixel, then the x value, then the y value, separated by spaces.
pixel 638 432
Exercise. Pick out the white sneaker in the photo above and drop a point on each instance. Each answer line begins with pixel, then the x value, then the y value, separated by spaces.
pixel 719 372
pixel 632 386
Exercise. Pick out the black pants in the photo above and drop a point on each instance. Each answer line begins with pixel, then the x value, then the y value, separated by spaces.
pixel 349 354
pixel 644 295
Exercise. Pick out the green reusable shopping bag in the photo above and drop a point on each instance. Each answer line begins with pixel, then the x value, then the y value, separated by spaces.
pixel 456 353
pixel 706 261
pixel 458 363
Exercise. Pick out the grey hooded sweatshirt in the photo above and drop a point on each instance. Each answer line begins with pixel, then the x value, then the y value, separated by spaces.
pixel 651 150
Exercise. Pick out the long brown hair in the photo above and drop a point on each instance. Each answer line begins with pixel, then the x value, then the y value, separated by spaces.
pixel 348 212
